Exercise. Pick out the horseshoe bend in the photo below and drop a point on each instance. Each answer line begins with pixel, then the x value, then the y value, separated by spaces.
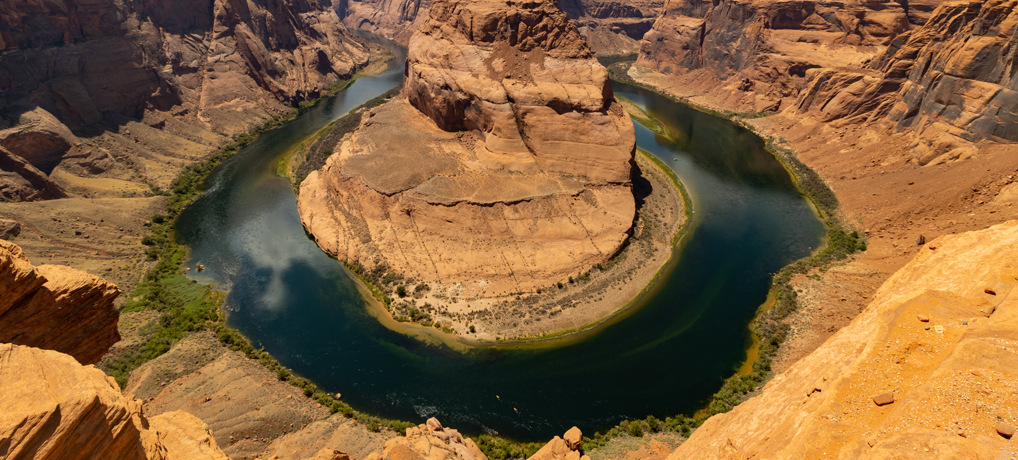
pixel 499 179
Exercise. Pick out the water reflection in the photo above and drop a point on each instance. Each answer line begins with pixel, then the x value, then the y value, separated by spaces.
pixel 664 358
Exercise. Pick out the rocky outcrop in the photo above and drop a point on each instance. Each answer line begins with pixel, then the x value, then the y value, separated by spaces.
pixel 252 412
pixel 610 27
pixel 55 307
pixel 396 20
pixel 430 441
pixel 565 448
pixel 949 83
pixel 192 70
pixel 506 168
pixel 928 369
pixel 753 55
pixel 39 138
pixel 55 408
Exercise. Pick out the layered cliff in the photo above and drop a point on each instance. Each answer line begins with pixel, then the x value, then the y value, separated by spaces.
pixel 611 27
pixel 950 83
pixel 55 408
pixel 186 73
pixel 752 55
pixel 55 307
pixel 504 170
pixel 927 370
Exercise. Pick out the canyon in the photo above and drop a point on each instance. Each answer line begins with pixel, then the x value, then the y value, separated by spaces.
pixel 904 109
pixel 103 105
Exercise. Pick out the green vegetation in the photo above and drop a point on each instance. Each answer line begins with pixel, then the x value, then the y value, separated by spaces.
pixel 641 116
pixel 768 326
pixel 185 306
pixel 496 448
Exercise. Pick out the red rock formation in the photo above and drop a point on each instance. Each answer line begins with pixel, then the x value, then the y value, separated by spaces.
pixel 508 171
pixel 610 27
pixel 56 409
pixel 218 65
pixel 430 441
pixel 565 448
pixel 55 307
pixel 753 54
pixel 949 83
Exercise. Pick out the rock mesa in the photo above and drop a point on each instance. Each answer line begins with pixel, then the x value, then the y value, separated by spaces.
pixel 505 168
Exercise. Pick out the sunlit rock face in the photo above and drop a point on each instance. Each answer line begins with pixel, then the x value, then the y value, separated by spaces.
pixel 506 166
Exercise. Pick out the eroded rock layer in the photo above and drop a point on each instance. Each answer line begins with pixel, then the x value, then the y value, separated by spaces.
pixel 194 71
pixel 55 307
pixel 928 370
pixel 951 83
pixel 55 408
pixel 612 27
pixel 506 168
pixel 753 54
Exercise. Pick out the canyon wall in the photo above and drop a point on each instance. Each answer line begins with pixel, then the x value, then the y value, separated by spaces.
pixel 55 307
pixel 753 55
pixel 928 369
pixel 56 409
pixel 504 169
pixel 950 83
pixel 190 72
pixel 611 27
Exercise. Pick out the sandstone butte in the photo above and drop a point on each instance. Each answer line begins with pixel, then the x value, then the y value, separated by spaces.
pixel 56 409
pixel 55 307
pixel 505 167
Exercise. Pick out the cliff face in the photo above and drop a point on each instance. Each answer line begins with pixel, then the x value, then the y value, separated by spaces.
pixel 55 307
pixel 507 168
pixel 928 370
pixel 609 27
pixel 752 55
pixel 55 408
pixel 950 83
pixel 194 70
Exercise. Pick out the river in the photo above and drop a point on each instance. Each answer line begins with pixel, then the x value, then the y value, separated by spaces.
pixel 665 358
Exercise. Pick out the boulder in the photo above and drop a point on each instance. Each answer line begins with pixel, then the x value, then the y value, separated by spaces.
pixel 430 441
pixel 9 229
pixel 40 139
pixel 573 437
pixel 565 448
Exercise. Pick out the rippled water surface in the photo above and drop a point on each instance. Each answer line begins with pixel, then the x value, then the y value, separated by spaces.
pixel 665 358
